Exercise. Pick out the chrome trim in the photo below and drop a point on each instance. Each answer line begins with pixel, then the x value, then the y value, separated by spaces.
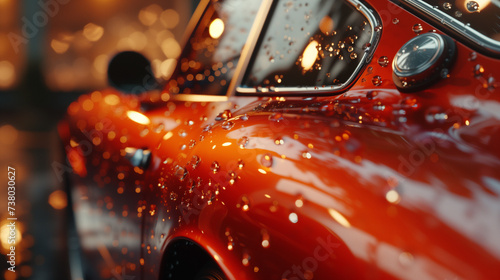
pixel 330 89
pixel 193 22
pixel 199 97
pixel 249 47
pixel 459 27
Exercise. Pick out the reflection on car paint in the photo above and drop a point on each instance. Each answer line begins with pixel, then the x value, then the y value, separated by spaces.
pixel 368 183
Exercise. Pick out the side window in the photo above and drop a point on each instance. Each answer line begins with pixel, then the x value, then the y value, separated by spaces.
pixel 209 59
pixel 311 44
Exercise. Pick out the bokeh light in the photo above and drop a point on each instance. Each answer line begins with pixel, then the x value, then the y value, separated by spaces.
pixel 216 28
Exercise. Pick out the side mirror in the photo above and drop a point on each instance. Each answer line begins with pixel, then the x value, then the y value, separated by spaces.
pixel 130 72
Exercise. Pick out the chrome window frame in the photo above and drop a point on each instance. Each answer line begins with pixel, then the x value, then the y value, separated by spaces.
pixel 461 29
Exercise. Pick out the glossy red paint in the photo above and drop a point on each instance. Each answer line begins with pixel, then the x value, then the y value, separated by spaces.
pixel 371 183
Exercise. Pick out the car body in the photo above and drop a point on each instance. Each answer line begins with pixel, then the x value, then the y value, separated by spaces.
pixel 255 158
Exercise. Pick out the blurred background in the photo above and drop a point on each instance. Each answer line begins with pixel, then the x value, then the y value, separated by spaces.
pixel 52 51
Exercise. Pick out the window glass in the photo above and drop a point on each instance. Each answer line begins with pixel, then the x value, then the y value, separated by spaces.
pixel 317 44
pixel 208 61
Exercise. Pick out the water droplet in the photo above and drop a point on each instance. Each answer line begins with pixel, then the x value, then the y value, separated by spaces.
pixel 227 125
pixel 232 177
pixel 379 107
pixel 195 161
pixel 226 114
pixel 173 196
pixel 230 245
pixel 410 102
pixel 328 109
pixel 377 81
pixel 445 73
pixel 378 28
pixel 182 133
pixel 341 45
pixel 350 48
pixel 271 59
pixel 491 85
pixel 383 61
pixel 207 128
pixel 371 94
pixel 244 203
pixel 267 160
pixel 435 114
pixel 246 259
pixel 399 115
pixel 395 20
pixel 278 78
pixel 366 47
pixel 190 122
pixel 244 117
pixel 472 7
pixel 369 70
pixel 215 167
pixel 279 141
pixel 478 70
pixel 241 164
pixel 192 143
pixel 276 117
pixel 195 184
pixel 306 155
pixel 417 28
pixel 299 202
pixel 243 142
pixel 180 172
pixel 293 217
pixel 446 5
pixel 472 56
pixel 265 239
pixel 353 55
pixel 458 14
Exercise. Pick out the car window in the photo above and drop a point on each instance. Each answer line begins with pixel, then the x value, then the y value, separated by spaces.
pixel 476 20
pixel 311 45
pixel 209 59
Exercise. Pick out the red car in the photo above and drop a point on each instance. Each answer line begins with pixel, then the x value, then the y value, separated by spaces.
pixel 319 139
